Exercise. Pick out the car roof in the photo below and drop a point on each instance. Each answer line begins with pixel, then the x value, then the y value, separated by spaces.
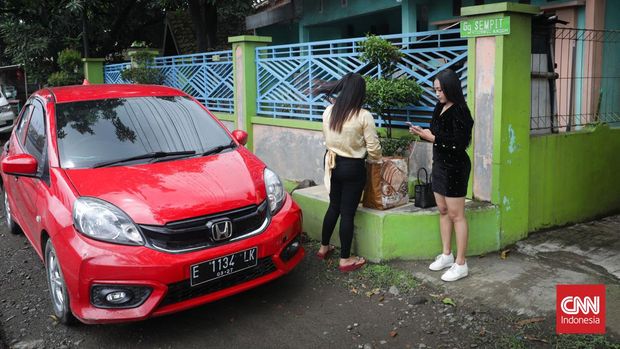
pixel 77 93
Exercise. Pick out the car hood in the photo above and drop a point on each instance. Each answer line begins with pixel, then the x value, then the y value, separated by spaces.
pixel 173 190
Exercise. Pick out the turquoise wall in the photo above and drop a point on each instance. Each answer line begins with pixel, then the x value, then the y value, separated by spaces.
pixel 280 33
pixel 333 11
pixel 359 17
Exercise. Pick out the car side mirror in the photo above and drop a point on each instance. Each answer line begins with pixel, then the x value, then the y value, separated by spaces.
pixel 240 136
pixel 20 165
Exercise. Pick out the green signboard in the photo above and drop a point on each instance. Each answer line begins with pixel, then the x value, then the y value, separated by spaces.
pixel 485 27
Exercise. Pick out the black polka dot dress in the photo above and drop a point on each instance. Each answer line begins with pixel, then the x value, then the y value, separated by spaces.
pixel 451 164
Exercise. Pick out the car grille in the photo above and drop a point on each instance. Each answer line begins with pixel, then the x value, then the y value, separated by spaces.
pixel 192 234
pixel 182 291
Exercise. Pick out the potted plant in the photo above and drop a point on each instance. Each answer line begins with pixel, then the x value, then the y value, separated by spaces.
pixel 387 185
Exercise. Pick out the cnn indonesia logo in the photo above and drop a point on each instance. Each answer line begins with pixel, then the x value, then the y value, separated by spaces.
pixel 580 309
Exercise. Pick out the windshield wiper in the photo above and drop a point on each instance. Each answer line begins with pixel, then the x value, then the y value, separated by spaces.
pixel 152 155
pixel 218 149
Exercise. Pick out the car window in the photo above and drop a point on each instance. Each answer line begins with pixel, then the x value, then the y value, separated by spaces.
pixel 91 132
pixel 35 137
pixel 23 120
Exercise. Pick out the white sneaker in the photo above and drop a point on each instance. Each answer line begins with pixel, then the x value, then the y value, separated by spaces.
pixel 455 272
pixel 441 262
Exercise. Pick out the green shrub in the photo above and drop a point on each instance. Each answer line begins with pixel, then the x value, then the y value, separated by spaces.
pixel 386 94
pixel 71 71
pixel 143 76
pixel 70 60
pixel 142 58
pixel 378 51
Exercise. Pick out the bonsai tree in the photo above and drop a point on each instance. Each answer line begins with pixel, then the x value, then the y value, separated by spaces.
pixel 71 71
pixel 142 58
pixel 387 92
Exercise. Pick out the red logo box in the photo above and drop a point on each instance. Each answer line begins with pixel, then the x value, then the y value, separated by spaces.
pixel 580 309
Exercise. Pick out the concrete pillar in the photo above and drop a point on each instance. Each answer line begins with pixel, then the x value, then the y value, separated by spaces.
pixel 244 77
pixel 409 16
pixel 499 94
pixel 93 70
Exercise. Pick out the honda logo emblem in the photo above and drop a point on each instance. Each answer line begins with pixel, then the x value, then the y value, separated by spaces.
pixel 220 230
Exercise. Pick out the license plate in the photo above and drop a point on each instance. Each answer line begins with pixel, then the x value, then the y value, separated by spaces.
pixel 222 266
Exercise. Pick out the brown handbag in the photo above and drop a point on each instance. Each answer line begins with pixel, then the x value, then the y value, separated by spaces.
pixel 386 184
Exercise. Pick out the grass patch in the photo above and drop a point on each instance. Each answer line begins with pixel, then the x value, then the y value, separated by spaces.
pixel 384 276
pixel 571 341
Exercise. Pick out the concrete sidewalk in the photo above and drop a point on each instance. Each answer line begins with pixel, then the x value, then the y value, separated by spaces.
pixel 524 282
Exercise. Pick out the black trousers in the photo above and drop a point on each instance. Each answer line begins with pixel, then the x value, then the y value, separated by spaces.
pixel 347 184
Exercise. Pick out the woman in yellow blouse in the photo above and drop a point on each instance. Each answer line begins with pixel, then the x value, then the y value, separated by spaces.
pixel 350 136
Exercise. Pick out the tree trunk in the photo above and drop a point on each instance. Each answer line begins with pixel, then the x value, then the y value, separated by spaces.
pixel 204 21
pixel 85 32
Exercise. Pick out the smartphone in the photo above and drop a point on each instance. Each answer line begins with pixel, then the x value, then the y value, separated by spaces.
pixel 412 125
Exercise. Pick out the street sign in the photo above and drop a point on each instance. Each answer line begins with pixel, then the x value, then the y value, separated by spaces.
pixel 485 27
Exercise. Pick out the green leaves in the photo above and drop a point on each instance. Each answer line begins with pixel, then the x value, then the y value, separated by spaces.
pixel 383 94
pixel 395 146
pixel 386 94
pixel 378 51
pixel 70 63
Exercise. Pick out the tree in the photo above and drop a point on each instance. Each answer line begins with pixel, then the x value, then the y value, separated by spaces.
pixel 33 32
pixel 388 92
pixel 206 14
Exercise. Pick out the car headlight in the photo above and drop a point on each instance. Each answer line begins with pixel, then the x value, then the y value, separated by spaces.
pixel 275 191
pixel 5 108
pixel 101 220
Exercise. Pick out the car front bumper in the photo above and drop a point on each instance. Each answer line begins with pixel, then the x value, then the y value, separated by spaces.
pixel 87 262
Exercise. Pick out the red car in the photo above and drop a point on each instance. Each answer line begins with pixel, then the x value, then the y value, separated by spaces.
pixel 141 203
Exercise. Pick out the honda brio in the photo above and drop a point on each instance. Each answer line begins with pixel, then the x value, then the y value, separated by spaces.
pixel 141 203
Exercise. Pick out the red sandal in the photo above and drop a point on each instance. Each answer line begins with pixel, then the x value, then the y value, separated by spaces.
pixel 351 267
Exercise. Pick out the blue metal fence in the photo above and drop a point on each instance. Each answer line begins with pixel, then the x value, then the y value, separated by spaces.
pixel 288 74
pixel 208 77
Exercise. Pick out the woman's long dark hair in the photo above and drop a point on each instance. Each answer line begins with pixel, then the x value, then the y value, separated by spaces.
pixel 451 86
pixel 351 90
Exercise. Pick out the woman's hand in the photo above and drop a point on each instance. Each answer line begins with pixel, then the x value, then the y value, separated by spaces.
pixel 425 134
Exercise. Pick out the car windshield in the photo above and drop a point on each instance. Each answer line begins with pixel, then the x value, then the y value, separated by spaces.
pixel 92 133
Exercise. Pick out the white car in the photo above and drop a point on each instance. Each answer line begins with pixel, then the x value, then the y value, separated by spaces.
pixel 7 116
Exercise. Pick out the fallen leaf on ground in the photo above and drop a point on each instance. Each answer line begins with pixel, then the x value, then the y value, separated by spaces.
pixel 536 339
pixel 393 333
pixel 449 301
pixel 529 321
pixel 504 254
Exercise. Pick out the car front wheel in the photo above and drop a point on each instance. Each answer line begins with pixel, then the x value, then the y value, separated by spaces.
pixel 10 223
pixel 57 286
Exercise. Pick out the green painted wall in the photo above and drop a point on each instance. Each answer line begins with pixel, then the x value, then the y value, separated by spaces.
pixel 574 176
pixel 388 235
pixel 512 128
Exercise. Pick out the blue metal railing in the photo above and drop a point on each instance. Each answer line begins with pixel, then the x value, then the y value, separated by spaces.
pixel 208 77
pixel 287 75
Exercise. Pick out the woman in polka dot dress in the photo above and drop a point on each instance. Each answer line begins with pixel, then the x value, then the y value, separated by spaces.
pixel 450 133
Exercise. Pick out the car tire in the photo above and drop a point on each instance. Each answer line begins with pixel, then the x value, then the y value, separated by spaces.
pixel 10 223
pixel 57 286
